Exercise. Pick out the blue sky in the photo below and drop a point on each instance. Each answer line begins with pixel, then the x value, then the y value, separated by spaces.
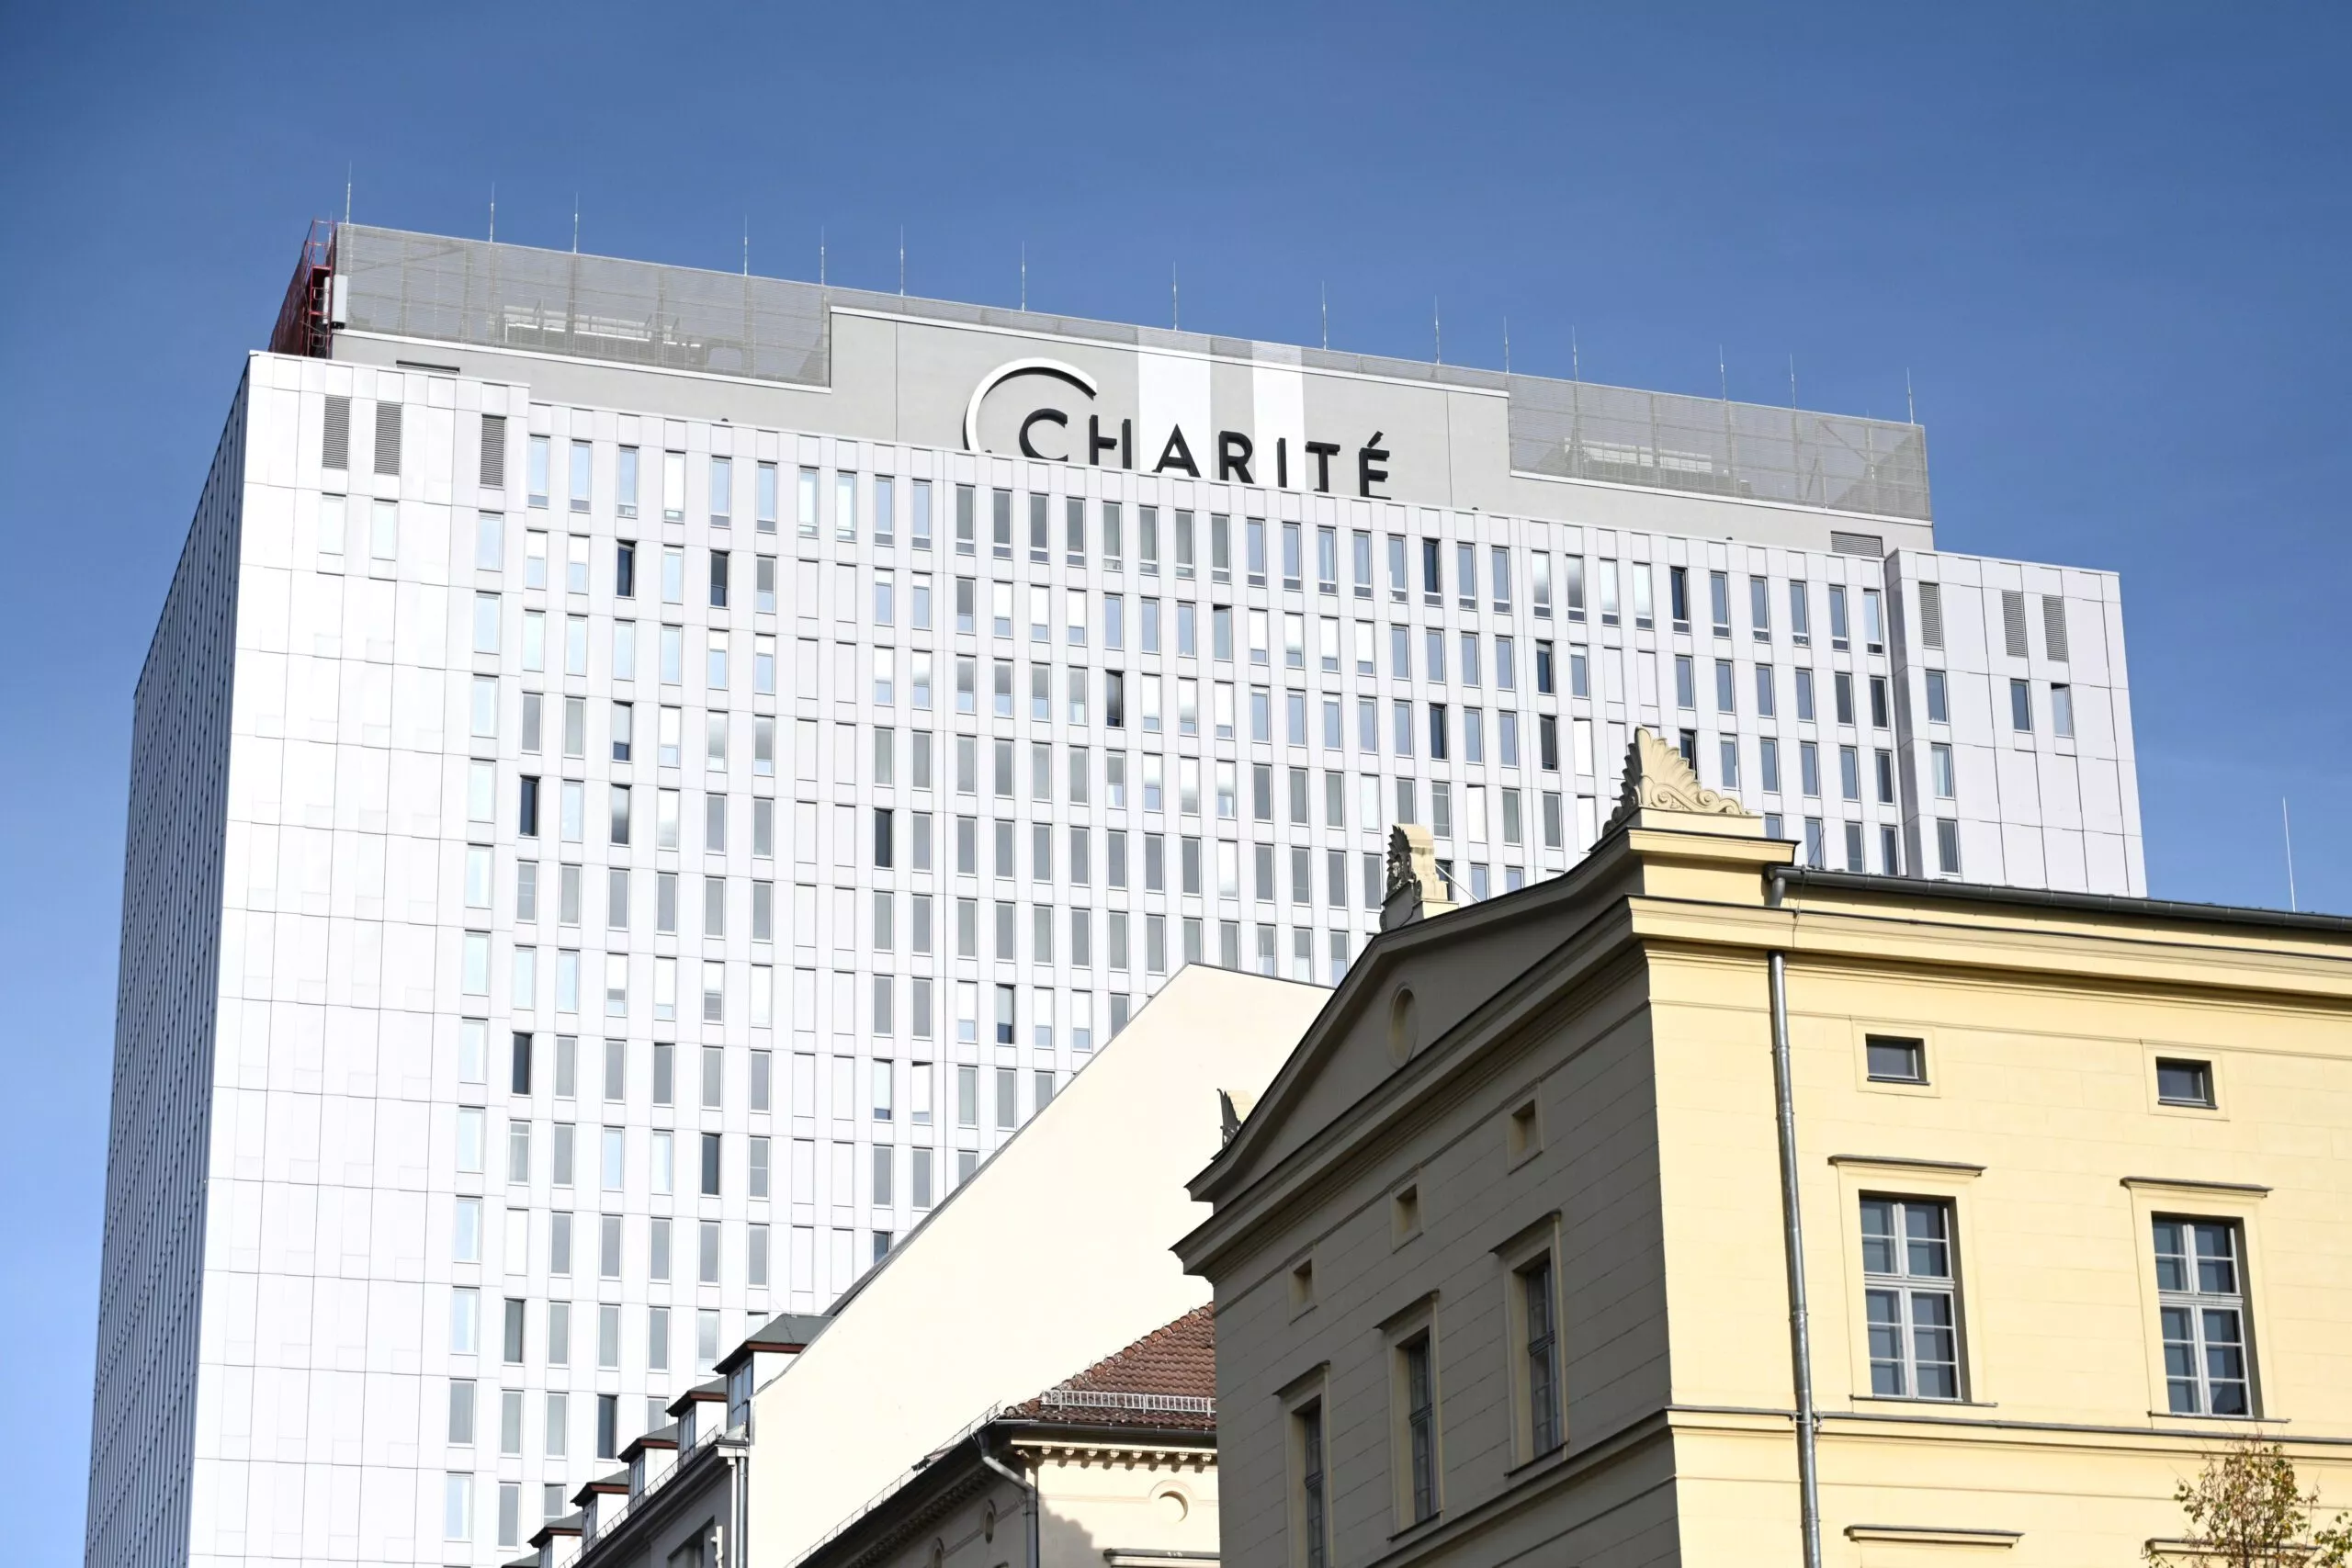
pixel 2106 242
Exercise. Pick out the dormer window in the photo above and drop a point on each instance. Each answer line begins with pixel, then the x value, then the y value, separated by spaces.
pixel 739 1397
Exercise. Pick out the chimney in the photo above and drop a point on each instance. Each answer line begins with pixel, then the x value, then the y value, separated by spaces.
pixel 1415 891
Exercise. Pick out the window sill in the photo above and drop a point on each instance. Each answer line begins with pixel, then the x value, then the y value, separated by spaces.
pixel 1930 1535
pixel 2250 1420
pixel 1527 1466
pixel 1909 1400
pixel 1418 1526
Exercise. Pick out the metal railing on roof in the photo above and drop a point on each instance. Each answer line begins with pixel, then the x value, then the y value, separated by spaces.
pixel 1113 1399
pixel 1712 446
pixel 771 329
pixel 896 1483
pixel 596 1525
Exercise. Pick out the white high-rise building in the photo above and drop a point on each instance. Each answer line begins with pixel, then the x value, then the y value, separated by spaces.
pixel 645 776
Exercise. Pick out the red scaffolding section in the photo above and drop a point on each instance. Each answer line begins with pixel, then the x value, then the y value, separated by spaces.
pixel 305 323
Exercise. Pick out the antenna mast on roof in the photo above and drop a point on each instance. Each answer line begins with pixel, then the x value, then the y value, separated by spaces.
pixel 1437 331
pixel 1722 374
pixel 1506 345
pixel 1175 306
pixel 1024 276
pixel 2288 829
pixel 902 261
pixel 1910 412
pixel 820 255
pixel 346 193
pixel 493 212
pixel 1576 370
pixel 1323 293
pixel 575 222
pixel 1792 380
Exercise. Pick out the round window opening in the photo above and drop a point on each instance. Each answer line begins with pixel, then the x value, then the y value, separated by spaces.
pixel 1404 1025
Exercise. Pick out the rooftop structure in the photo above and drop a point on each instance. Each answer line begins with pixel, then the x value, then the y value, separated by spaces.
pixel 521 301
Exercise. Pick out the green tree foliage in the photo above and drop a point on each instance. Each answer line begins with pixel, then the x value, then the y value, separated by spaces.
pixel 2246 1509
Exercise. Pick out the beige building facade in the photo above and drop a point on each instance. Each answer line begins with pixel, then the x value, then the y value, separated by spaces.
pixel 1503 1261
pixel 1114 1468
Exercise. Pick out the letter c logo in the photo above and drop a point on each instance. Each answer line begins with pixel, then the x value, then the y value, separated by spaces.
pixel 1003 373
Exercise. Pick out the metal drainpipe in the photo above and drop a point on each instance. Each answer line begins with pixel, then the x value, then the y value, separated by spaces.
pixel 1800 1337
pixel 743 1511
pixel 1028 1497
pixel 739 1508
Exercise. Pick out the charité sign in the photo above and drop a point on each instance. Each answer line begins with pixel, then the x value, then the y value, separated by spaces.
pixel 1045 434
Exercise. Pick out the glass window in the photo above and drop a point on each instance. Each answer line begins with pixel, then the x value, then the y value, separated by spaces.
pixel 2182 1082
pixel 723 491
pixel 1907 1295
pixel 1421 1428
pixel 1543 1358
pixel 1896 1061
pixel 625 501
pixel 1310 1481
pixel 2201 1311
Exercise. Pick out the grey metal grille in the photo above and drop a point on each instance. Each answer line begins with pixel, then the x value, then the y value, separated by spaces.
pixel 388 438
pixel 1931 614
pixel 1870 545
pixel 510 297
pixel 467 291
pixel 2013 622
pixel 2053 626
pixel 493 451
pixel 1665 441
pixel 335 445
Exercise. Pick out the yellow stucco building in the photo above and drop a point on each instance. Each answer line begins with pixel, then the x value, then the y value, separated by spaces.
pixel 1502 1261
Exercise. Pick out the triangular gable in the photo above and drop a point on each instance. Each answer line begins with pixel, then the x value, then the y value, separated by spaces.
pixel 1451 966
pixel 1454 964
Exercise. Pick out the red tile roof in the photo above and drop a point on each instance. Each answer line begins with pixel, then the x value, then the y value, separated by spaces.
pixel 1165 1380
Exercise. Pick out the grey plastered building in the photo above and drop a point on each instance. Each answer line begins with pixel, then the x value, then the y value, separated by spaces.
pixel 645 776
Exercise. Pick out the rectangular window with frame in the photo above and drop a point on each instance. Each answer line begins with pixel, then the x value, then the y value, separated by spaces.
pixel 2200 1310
pixel 1910 1302
pixel 1539 1346
pixel 1314 1527
pixel 2181 1081
pixel 1416 1392
pixel 1891 1060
